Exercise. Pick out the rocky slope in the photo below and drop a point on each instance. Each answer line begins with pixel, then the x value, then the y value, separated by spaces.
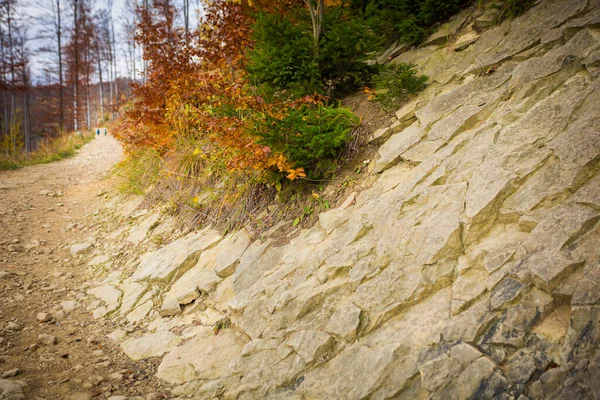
pixel 469 269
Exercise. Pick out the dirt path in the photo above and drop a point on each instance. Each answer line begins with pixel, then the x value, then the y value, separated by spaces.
pixel 43 210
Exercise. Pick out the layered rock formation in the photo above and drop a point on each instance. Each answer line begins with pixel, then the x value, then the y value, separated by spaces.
pixel 470 269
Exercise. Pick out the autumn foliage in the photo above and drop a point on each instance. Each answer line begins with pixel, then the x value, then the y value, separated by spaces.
pixel 198 88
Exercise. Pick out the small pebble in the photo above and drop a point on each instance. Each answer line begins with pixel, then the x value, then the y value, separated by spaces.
pixel 10 373
pixel 47 339
pixel 13 326
pixel 44 317
pixel 115 376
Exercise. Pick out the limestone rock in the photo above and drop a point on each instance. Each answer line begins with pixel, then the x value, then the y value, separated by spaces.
pixel 13 326
pixel 311 345
pixel 400 142
pixel 10 373
pixel 153 345
pixel 141 311
pixel 139 232
pixel 79 396
pixel 205 356
pixel 44 317
pixel 161 263
pixel 470 380
pixel 505 292
pixel 233 247
pixel 47 339
pixel 380 135
pixel 80 248
pixel 13 389
pixel 110 295
pixel 344 322
pixel 117 335
pixel 132 292
pixel 448 29
pixel 69 306
pixel 438 372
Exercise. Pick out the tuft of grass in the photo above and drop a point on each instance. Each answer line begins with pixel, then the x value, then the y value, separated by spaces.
pixel 57 149
pixel 139 171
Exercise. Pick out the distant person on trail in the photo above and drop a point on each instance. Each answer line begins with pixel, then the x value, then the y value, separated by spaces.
pixel 104 131
pixel 98 132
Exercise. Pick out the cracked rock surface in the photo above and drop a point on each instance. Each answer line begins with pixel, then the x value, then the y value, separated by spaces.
pixel 469 269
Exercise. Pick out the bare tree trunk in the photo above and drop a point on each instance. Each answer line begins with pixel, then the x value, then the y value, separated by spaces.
pixel 26 122
pixel 26 90
pixel 13 109
pixel 145 62
pixel 88 96
pixel 133 76
pixel 186 16
pixel 112 45
pixel 110 78
pixel 76 51
pixel 116 73
pixel 100 86
pixel 5 100
pixel 61 102
pixel 316 11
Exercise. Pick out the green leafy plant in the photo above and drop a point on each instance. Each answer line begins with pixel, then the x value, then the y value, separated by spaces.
pixel 407 21
pixel 220 325
pixel 396 82
pixel 284 58
pixel 308 135
pixel 507 9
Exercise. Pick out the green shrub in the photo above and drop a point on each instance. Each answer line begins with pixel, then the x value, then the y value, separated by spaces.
pixel 409 21
pixel 346 44
pixel 284 57
pixel 396 82
pixel 308 136
pixel 507 9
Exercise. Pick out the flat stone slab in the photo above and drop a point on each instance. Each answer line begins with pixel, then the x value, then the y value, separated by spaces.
pixel 161 263
pixel 153 345
pixel 205 356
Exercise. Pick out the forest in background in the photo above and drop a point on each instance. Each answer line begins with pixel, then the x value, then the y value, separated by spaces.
pixel 80 81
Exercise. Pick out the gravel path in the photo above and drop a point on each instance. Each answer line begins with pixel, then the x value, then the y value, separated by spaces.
pixel 47 338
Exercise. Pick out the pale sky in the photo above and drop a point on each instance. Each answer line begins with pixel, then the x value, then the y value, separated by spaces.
pixel 31 12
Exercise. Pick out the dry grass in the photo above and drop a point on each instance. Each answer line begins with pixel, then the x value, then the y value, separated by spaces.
pixel 202 192
pixel 57 149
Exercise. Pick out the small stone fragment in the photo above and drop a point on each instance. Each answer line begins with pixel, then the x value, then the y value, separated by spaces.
pixel 48 340
pixel 13 389
pixel 115 376
pixel 344 322
pixel 80 248
pixel 79 396
pixel 117 335
pixel 69 305
pixel 44 317
pixel 10 373
pixel 13 326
